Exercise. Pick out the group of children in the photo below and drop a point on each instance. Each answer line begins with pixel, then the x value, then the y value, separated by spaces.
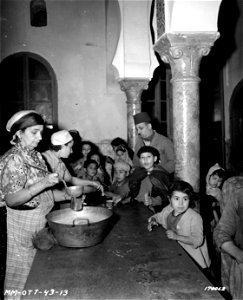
pixel 193 226
pixel 172 203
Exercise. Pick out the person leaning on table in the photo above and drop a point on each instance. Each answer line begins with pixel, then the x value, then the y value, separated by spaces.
pixel 29 194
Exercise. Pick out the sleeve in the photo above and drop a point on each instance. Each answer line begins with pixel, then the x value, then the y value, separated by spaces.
pixel 170 159
pixel 67 176
pixel 196 229
pixel 226 228
pixel 161 217
pixel 13 175
pixel 139 144
pixel 112 188
pixel 135 181
pixel 125 191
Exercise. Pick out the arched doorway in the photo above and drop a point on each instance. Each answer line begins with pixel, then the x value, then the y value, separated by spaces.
pixel 236 127
pixel 27 82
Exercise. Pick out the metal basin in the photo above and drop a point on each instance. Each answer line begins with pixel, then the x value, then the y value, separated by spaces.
pixel 84 228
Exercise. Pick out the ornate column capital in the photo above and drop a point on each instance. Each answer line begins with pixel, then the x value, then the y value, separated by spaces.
pixel 133 88
pixel 184 50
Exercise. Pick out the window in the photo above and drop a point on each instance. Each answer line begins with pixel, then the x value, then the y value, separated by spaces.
pixel 157 100
pixel 27 82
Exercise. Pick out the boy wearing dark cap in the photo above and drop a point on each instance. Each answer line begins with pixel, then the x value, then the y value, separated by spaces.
pixel 149 182
pixel 149 137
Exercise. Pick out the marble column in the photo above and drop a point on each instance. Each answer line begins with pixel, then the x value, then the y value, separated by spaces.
pixel 183 51
pixel 133 89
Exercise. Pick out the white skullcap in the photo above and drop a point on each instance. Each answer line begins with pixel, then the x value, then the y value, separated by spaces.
pixel 61 137
pixel 17 116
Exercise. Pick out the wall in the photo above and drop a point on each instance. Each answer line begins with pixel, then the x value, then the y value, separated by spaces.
pixel 79 42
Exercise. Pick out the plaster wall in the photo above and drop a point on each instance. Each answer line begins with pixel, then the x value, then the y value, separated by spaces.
pixel 75 43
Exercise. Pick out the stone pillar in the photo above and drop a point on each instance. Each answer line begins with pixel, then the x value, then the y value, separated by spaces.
pixel 133 89
pixel 183 51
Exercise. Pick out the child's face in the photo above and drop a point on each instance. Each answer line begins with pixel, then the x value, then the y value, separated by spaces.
pixel 215 181
pixel 179 201
pixel 91 169
pixel 120 154
pixel 86 149
pixel 96 158
pixel 120 175
pixel 147 160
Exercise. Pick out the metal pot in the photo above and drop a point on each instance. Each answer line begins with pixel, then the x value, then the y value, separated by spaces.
pixel 84 228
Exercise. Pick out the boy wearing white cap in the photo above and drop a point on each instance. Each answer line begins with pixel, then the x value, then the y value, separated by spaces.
pixel 61 147
pixel 119 189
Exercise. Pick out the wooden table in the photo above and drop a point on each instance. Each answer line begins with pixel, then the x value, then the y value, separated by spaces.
pixel 131 263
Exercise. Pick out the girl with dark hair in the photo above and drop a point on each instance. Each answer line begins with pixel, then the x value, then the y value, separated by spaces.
pixel 78 165
pixel 102 174
pixel 182 223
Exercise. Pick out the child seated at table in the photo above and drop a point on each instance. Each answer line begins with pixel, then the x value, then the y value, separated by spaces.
pixel 122 155
pixel 119 190
pixel 102 174
pixel 78 165
pixel 90 170
pixel 182 223
pixel 149 182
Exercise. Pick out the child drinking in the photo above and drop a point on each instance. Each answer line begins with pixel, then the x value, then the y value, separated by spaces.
pixel 182 223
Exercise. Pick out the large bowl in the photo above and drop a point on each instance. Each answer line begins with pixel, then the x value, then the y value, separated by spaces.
pixel 84 228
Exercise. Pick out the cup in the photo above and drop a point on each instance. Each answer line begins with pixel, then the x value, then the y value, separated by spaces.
pixel 109 203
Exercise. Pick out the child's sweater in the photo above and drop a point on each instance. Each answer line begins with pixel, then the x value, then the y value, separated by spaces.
pixel 190 224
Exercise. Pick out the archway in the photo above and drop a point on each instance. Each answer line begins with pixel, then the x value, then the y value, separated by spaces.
pixel 27 82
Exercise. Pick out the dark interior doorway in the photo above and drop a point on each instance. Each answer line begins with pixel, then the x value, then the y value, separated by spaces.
pixel 157 100
pixel 27 82
pixel 236 128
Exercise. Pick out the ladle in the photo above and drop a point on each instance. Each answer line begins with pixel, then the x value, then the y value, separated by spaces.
pixel 76 204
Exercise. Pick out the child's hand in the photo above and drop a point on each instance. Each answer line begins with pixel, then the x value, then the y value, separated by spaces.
pixel 116 199
pixel 152 222
pixel 171 235
pixel 99 187
pixel 147 200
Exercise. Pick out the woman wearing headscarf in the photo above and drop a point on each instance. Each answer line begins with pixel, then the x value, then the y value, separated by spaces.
pixel 26 188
